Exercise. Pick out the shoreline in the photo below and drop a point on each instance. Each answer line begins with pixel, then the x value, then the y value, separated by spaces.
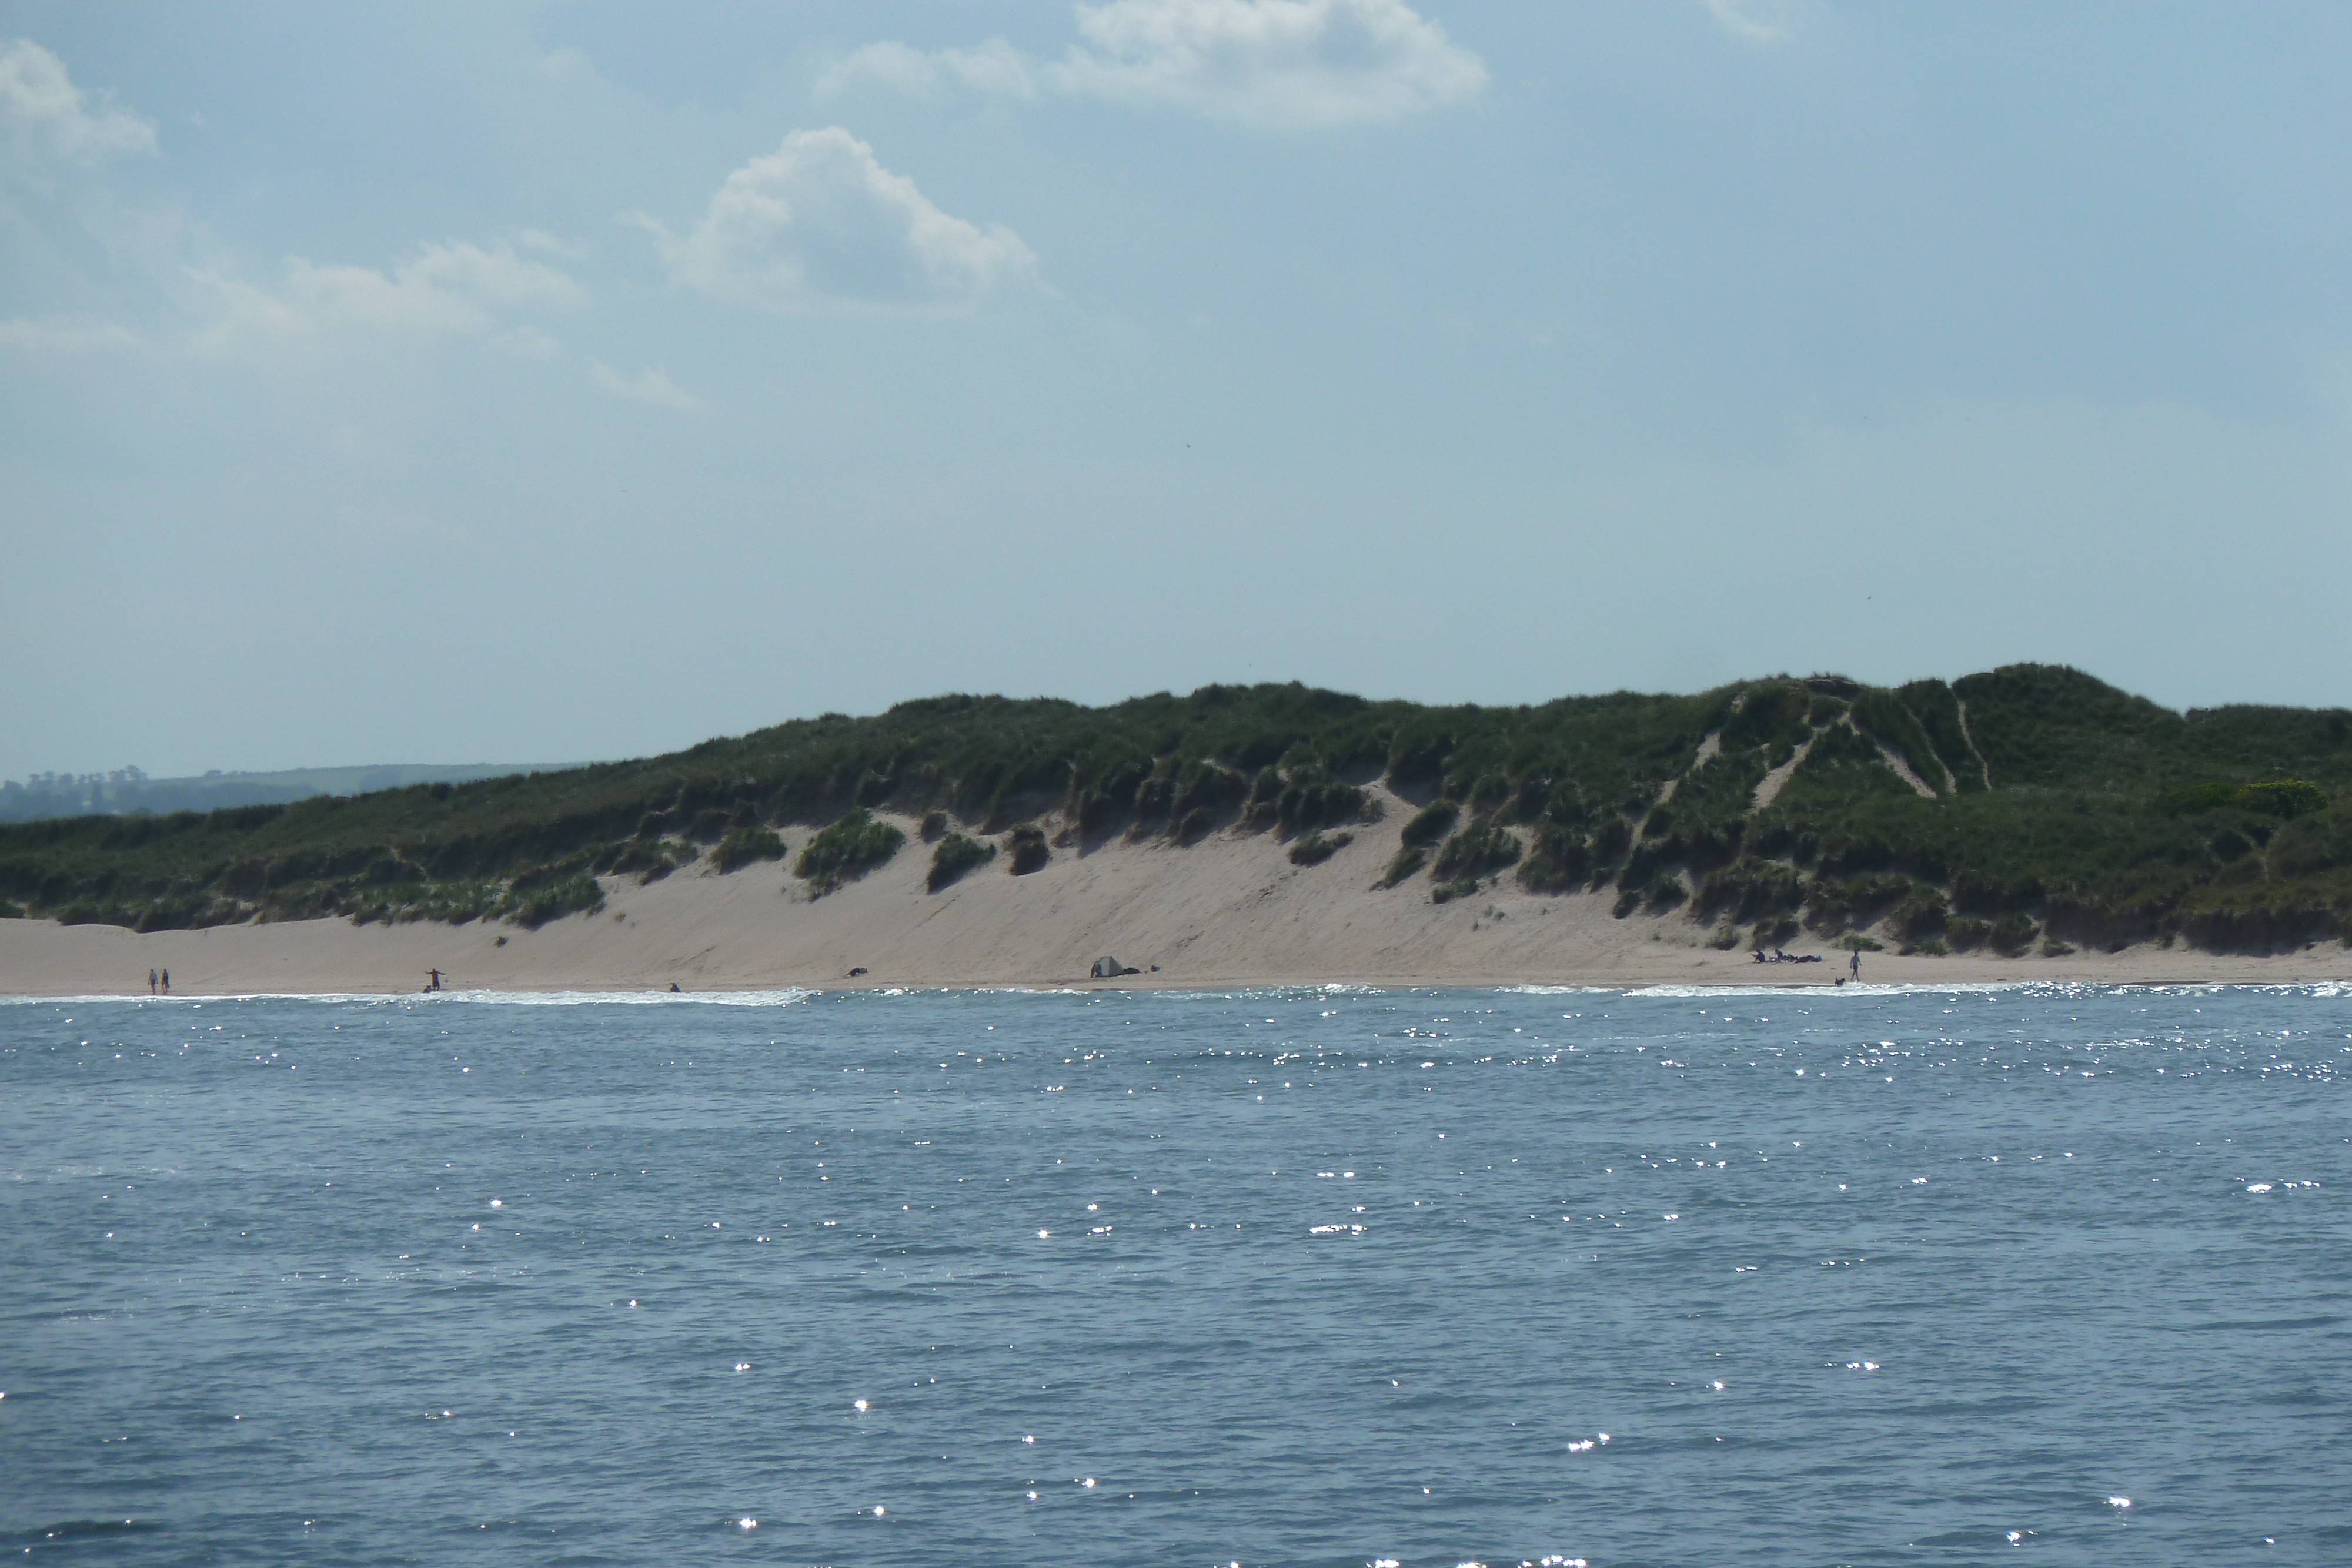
pixel 761 995
pixel 1229 912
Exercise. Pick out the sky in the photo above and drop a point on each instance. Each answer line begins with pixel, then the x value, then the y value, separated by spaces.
pixel 537 381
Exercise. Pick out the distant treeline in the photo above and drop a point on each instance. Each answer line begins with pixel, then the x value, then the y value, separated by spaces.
pixel 127 790
pixel 2031 805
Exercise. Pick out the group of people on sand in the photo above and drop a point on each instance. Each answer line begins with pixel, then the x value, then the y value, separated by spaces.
pixel 165 980
pixel 1780 956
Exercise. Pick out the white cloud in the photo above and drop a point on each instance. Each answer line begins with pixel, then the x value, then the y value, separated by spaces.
pixel 649 386
pixel 43 111
pixel 65 334
pixel 447 288
pixel 1260 62
pixel 1758 21
pixel 819 222
pixel 996 69
pixel 524 342
pixel 1270 62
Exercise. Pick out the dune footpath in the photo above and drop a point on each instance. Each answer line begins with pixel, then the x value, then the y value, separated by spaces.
pixel 1229 911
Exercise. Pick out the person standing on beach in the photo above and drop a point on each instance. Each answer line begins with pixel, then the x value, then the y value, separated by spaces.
pixel 1857 963
pixel 150 982
pixel 167 982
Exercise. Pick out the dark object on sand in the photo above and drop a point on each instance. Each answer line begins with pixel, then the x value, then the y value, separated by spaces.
pixel 857 971
pixel 673 985
pixel 1111 969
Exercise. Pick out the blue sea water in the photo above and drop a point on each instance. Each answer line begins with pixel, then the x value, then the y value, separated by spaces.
pixel 2038 1274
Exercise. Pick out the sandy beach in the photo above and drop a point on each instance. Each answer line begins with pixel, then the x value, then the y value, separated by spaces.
pixel 1230 910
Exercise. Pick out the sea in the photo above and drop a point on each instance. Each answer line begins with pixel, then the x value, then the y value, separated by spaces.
pixel 1413 1279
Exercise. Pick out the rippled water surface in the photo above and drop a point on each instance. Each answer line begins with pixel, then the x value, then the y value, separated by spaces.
pixel 1296 1277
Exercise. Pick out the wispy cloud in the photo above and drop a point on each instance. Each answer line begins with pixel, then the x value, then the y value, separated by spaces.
pixel 453 287
pixel 44 114
pixel 820 223
pixel 995 68
pixel 1272 63
pixel 65 334
pixel 649 386
pixel 1758 21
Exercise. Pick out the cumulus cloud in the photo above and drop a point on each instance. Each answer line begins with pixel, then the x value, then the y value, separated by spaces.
pixel 43 112
pixel 65 334
pixel 446 289
pixel 995 68
pixel 820 223
pixel 1756 21
pixel 1270 62
pixel 649 386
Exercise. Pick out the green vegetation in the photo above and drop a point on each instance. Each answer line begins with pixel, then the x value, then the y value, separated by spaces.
pixel 2274 798
pixel 742 846
pixel 1408 861
pixel 1475 851
pixel 2062 810
pixel 956 854
pixel 1447 892
pixel 1027 842
pixel 1430 823
pixel 1561 863
pixel 855 844
pixel 1317 847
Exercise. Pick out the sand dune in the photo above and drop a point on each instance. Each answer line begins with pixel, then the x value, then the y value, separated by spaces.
pixel 1230 910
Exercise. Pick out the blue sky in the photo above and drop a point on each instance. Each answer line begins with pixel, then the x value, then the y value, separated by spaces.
pixel 545 381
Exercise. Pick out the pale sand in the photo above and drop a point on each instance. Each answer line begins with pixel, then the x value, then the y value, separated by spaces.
pixel 1231 910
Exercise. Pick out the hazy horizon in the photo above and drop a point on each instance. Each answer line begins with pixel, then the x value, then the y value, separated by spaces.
pixel 573 379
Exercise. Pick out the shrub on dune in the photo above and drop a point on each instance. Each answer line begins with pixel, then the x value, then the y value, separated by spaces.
pixel 955 855
pixel 855 844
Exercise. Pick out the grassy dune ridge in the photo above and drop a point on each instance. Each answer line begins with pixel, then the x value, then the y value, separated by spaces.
pixel 2057 810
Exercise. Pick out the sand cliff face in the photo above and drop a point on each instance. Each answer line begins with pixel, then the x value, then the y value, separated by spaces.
pixel 1231 910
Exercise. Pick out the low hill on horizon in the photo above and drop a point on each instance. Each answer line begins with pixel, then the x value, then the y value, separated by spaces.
pixel 2030 804
pixel 128 791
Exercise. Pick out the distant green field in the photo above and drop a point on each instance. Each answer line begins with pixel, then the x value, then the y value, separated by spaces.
pixel 2058 811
